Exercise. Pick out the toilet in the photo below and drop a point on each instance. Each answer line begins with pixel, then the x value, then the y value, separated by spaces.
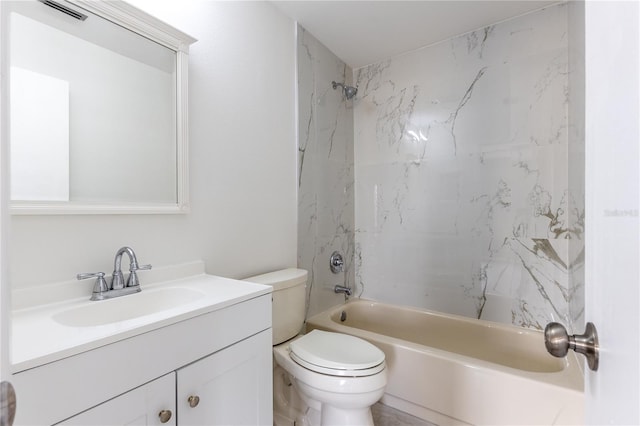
pixel 319 378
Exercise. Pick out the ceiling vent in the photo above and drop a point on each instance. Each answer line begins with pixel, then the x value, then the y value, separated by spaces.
pixel 64 9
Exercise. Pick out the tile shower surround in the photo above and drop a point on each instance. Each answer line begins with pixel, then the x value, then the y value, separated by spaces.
pixel 325 174
pixel 460 168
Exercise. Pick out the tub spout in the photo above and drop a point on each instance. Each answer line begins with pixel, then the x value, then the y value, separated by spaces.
pixel 342 289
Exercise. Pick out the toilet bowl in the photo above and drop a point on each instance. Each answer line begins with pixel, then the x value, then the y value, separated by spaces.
pixel 320 378
pixel 342 386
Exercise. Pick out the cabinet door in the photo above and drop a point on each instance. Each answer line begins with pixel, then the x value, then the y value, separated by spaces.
pixel 140 406
pixel 231 387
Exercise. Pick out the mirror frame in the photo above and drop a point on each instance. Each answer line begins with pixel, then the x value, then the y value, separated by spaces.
pixel 133 19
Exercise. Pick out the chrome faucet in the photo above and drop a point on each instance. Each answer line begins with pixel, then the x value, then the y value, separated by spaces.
pixel 118 287
pixel 117 278
pixel 342 289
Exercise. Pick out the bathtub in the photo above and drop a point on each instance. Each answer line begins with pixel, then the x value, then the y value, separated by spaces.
pixel 448 369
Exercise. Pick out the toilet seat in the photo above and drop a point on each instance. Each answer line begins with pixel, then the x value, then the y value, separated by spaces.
pixel 337 354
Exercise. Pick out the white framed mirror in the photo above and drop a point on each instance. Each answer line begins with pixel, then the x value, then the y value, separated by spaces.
pixel 97 109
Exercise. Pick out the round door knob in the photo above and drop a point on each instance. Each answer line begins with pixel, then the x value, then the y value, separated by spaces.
pixel 8 403
pixel 193 401
pixel 556 339
pixel 165 416
pixel 558 342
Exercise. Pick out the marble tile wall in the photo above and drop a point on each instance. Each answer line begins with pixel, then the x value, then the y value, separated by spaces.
pixel 467 158
pixel 462 194
pixel 577 160
pixel 325 172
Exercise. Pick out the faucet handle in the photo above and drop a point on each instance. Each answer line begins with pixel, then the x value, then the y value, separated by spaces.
pixel 85 275
pixel 99 287
pixel 140 268
pixel 133 280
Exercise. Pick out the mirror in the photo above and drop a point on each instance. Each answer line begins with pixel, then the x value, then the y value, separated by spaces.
pixel 97 109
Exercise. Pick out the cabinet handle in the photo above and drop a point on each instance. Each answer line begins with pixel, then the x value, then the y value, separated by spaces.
pixel 193 401
pixel 165 416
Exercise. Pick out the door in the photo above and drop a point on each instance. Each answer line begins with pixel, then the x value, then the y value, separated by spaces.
pixel 150 404
pixel 612 185
pixel 230 387
pixel 5 409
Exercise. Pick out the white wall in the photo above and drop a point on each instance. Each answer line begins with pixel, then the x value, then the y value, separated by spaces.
pixel 39 154
pixel 242 157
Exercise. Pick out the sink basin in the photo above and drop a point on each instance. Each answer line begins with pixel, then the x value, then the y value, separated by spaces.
pixel 127 307
pixel 60 321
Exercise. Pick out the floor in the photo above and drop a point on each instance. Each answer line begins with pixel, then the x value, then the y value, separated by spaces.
pixel 384 415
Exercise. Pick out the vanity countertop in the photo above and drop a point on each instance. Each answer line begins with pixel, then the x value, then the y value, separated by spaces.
pixel 52 331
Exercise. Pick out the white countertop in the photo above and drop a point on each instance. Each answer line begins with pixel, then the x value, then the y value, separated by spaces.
pixel 37 338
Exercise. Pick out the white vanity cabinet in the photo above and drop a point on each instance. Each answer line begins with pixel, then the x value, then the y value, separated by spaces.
pixel 229 387
pixel 141 406
pixel 217 349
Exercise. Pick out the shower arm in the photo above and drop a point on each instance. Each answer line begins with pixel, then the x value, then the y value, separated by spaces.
pixel 348 91
pixel 335 85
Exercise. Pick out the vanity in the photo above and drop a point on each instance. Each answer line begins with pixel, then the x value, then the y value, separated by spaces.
pixel 189 349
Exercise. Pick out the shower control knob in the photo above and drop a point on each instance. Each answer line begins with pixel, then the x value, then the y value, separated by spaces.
pixel 558 342
pixel 336 263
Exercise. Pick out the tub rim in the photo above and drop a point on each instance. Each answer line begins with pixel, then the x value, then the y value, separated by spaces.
pixel 570 377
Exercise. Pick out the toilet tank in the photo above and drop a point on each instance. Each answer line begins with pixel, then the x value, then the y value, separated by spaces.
pixel 288 301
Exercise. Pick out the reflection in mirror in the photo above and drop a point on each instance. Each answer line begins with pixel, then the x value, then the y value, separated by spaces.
pixel 94 113
pixel 39 153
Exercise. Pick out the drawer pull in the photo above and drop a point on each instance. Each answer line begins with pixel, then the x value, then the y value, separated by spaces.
pixel 165 416
pixel 193 401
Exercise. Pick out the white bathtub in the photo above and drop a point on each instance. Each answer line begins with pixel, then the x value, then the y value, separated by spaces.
pixel 449 369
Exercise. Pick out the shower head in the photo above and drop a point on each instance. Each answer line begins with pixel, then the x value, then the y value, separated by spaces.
pixel 348 91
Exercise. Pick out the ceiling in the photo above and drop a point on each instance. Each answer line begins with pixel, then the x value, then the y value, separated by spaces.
pixel 363 32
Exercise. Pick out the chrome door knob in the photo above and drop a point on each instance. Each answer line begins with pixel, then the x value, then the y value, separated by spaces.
pixel 558 342
pixel 7 404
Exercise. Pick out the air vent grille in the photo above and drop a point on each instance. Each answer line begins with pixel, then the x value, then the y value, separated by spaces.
pixel 64 9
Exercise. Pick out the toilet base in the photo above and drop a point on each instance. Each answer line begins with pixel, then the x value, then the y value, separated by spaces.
pixel 337 409
pixel 332 416
pixel 288 408
pixel 323 400
pixel 293 409
pixel 336 416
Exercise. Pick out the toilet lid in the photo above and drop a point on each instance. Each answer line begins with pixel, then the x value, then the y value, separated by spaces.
pixel 337 354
